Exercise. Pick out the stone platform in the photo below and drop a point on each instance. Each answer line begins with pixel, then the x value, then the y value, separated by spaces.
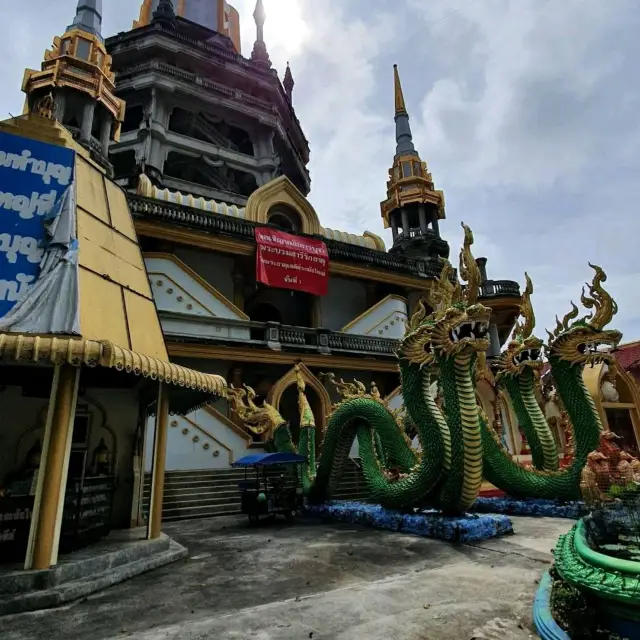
pixel 120 556
pixel 428 524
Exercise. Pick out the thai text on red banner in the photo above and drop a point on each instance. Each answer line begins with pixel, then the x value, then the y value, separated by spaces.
pixel 286 261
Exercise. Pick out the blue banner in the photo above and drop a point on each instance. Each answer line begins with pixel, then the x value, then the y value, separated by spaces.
pixel 33 178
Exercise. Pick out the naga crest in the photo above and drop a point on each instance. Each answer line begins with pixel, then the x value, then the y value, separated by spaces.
pixel 524 350
pixel 259 419
pixel 355 389
pixel 458 323
pixel 586 341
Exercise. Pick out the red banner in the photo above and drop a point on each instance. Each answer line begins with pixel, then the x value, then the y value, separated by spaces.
pixel 286 261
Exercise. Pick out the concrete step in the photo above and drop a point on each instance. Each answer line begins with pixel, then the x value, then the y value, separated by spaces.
pixel 206 511
pixel 198 502
pixel 204 493
pixel 198 484
pixel 231 494
pixel 84 586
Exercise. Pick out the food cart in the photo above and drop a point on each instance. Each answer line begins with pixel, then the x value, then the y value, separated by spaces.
pixel 274 489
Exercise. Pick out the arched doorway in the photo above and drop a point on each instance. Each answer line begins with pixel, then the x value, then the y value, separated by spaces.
pixel 289 410
pixel 617 399
pixel 284 397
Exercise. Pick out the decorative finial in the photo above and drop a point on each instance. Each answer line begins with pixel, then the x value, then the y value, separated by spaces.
pixel 404 138
pixel 260 16
pixel 469 271
pixel 88 17
pixel 260 55
pixel 525 328
pixel 165 14
pixel 599 300
pixel 399 96
pixel 288 82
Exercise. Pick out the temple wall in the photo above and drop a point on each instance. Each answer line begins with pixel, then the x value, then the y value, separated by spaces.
pixel 204 439
pixel 216 269
pixel 113 415
pixel 345 301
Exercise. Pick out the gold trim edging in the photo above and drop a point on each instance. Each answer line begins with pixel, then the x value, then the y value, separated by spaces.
pixel 237 247
pixel 235 354
pixel 76 352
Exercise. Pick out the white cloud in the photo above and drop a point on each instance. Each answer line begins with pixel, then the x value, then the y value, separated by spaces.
pixel 526 111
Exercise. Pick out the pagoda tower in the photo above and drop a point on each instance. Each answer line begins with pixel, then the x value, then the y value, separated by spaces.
pixel 201 119
pixel 77 81
pixel 413 207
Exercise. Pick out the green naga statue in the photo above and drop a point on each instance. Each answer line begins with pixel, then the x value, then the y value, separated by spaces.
pixel 459 448
pixel 448 472
pixel 573 345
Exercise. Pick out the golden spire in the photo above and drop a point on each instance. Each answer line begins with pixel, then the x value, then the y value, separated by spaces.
pixel 79 63
pixel 400 106
pixel 410 182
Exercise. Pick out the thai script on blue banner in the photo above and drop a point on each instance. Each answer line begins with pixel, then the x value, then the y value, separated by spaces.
pixel 33 177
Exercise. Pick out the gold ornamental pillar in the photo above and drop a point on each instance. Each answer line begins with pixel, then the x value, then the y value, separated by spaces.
pixel 46 521
pixel 154 527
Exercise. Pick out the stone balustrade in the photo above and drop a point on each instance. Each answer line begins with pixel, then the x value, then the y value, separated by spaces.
pixel 271 335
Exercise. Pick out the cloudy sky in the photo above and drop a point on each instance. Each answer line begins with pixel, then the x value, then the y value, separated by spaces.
pixel 527 112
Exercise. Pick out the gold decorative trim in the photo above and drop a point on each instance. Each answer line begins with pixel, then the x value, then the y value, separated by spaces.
pixel 240 354
pixel 377 305
pixel 592 377
pixel 199 279
pixel 193 238
pixel 92 75
pixel 377 240
pixel 282 191
pixel 76 352
pixel 237 247
pixel 291 378
pixel 229 424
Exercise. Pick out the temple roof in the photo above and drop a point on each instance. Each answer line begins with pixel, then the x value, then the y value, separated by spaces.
pixel 256 209
pixel 119 323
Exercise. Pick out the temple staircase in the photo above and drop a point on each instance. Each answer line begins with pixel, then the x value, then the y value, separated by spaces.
pixel 209 493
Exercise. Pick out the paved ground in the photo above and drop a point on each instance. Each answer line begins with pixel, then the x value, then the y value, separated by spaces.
pixel 315 581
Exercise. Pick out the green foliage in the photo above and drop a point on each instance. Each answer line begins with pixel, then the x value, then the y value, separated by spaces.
pixel 573 611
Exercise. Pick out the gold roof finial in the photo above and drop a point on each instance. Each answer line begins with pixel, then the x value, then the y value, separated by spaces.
pixel 410 182
pixel 399 96
pixel 469 271
pixel 525 328
pixel 600 300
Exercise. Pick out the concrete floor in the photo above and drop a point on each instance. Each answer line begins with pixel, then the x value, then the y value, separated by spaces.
pixel 317 581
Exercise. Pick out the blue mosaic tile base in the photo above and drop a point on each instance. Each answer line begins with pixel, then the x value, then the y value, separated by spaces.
pixel 429 524
pixel 540 508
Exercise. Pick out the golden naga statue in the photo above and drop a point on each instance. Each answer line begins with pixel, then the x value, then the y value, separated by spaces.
pixel 307 419
pixel 264 418
pixel 606 467
pixel 259 419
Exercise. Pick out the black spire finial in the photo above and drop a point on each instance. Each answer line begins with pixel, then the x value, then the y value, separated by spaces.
pixel 165 14
pixel 288 82
pixel 88 17
pixel 260 55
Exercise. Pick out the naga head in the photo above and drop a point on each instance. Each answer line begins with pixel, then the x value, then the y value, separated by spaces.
pixel 524 351
pixel 458 324
pixel 259 419
pixel 586 341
